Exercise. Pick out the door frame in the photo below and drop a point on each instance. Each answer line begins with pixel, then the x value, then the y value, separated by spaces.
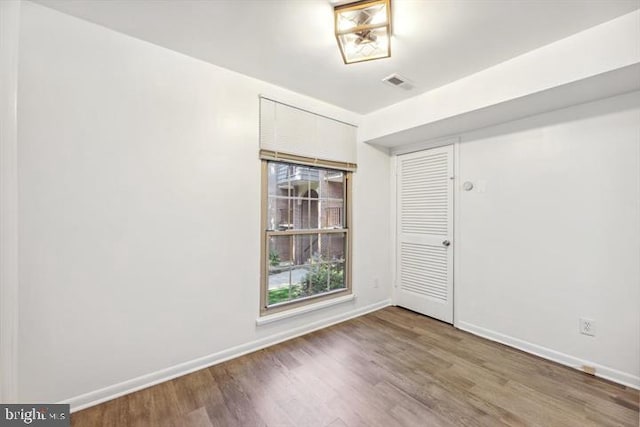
pixel 413 148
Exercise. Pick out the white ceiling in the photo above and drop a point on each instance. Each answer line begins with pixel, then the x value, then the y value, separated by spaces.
pixel 290 42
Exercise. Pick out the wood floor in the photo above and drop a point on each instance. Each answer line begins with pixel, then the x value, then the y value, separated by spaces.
pixel 389 368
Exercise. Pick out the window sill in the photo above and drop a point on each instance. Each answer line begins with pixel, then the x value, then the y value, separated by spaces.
pixel 270 318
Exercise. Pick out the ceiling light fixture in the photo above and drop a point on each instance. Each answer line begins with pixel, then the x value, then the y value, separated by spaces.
pixel 363 30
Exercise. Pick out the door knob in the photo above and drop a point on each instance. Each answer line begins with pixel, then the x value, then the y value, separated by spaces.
pixel 446 243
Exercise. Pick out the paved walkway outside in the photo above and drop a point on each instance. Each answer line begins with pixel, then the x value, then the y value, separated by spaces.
pixel 281 280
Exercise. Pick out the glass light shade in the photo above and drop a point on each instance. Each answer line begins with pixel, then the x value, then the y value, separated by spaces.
pixel 363 30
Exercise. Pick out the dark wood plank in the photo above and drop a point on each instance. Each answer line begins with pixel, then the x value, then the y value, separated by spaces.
pixel 392 367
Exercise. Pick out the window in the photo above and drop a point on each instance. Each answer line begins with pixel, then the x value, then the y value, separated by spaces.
pixel 305 227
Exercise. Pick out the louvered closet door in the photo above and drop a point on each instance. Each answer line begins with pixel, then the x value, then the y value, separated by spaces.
pixel 425 233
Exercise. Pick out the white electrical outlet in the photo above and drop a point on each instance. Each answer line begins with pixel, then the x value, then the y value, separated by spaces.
pixel 375 282
pixel 588 327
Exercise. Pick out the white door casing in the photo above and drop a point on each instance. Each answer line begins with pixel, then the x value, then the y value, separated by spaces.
pixel 424 252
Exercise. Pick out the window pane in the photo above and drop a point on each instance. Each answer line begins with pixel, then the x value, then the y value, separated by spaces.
pixel 332 247
pixel 332 213
pixel 337 276
pixel 277 178
pixel 332 199
pixel 279 197
pixel 272 173
pixel 323 277
pixel 279 213
pixel 305 206
pixel 279 269
pixel 279 252
pixel 298 278
pixel 306 248
pixel 306 211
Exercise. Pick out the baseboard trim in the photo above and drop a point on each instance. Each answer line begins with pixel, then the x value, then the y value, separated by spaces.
pixel 105 394
pixel 555 356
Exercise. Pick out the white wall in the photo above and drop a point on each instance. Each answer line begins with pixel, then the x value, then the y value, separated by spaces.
pixel 556 235
pixel 139 191
pixel 9 38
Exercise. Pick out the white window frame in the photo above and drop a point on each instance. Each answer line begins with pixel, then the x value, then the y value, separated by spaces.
pixel 265 234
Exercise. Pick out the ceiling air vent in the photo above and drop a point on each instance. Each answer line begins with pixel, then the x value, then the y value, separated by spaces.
pixel 396 80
